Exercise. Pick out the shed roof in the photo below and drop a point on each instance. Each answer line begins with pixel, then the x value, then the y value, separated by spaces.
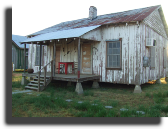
pixel 71 33
pixel 126 16
pixel 17 39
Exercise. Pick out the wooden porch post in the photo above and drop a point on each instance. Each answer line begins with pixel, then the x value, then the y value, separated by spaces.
pixel 79 58
pixel 54 57
pixel 24 57
pixel 40 58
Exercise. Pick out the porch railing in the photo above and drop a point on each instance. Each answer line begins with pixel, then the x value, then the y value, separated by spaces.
pixel 45 71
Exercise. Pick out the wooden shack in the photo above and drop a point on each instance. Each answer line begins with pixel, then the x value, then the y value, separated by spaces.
pixel 18 52
pixel 129 47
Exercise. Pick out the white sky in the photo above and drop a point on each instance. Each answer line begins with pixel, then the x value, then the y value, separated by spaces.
pixel 29 16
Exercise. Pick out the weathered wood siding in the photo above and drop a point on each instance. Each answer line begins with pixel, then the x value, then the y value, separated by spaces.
pixel 18 57
pixel 159 71
pixel 131 60
pixel 155 22
pixel 133 50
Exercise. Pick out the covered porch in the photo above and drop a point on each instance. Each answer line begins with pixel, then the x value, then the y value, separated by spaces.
pixel 47 71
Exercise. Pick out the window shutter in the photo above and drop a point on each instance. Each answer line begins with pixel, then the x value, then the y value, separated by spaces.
pixel 152 57
pixel 164 58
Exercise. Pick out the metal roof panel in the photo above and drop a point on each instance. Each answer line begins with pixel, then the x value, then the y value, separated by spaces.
pixel 17 39
pixel 126 16
pixel 71 33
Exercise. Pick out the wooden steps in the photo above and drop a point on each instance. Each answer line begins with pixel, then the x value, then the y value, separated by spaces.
pixel 33 85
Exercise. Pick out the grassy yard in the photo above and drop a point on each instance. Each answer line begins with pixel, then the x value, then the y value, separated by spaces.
pixel 52 101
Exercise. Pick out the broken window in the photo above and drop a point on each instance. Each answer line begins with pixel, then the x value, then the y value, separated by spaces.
pixel 114 54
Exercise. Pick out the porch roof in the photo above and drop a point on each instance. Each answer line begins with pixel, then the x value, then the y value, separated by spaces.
pixel 71 33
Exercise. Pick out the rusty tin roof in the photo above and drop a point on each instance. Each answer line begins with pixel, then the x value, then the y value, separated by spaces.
pixel 120 17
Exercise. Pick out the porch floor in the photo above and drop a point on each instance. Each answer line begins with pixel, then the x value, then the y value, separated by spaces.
pixel 69 77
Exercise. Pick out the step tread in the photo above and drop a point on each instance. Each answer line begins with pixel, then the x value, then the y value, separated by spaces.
pixel 40 79
pixel 29 87
pixel 36 82
pixel 31 84
pixel 43 76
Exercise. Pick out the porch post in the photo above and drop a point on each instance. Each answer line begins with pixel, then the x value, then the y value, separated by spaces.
pixel 79 58
pixel 40 58
pixel 24 57
pixel 54 56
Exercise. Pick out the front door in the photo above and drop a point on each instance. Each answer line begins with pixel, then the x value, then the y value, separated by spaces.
pixel 86 58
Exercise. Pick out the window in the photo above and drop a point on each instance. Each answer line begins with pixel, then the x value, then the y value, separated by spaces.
pixel 38 55
pixel 114 54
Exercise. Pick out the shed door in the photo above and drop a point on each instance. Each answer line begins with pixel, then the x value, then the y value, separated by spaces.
pixel 86 58
pixel 57 56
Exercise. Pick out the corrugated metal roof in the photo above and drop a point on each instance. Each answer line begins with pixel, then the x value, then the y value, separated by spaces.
pixel 71 33
pixel 17 39
pixel 127 16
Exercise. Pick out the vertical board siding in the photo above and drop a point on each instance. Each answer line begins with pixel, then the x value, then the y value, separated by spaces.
pixel 133 50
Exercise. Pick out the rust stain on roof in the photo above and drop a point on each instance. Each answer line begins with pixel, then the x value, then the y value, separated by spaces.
pixel 120 17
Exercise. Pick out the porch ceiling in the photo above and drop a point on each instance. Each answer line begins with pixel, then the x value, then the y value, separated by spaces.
pixel 71 33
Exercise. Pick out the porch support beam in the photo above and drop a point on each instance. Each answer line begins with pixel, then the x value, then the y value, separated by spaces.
pixel 40 58
pixel 24 57
pixel 54 57
pixel 79 58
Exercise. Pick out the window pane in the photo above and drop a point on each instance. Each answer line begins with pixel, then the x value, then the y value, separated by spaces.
pixel 114 64
pixel 109 51
pixel 118 44
pixel 110 58
pixel 114 45
pixel 114 58
pixel 110 45
pixel 110 64
pixel 118 61
pixel 114 51
pixel 118 51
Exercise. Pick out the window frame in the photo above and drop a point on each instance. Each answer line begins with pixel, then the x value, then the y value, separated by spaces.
pixel 114 68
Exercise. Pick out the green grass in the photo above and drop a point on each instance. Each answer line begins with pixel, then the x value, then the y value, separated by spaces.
pixel 88 93
pixel 153 101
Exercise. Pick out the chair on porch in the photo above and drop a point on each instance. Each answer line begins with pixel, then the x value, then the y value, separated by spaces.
pixel 75 67
pixel 61 69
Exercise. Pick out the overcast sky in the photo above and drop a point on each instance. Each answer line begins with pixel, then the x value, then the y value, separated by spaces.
pixel 29 16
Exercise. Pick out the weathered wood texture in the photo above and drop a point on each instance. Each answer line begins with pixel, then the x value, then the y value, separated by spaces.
pixel 133 50
pixel 18 57
pixel 155 22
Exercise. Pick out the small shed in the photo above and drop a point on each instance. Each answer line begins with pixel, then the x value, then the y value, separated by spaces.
pixel 18 52
pixel 129 47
